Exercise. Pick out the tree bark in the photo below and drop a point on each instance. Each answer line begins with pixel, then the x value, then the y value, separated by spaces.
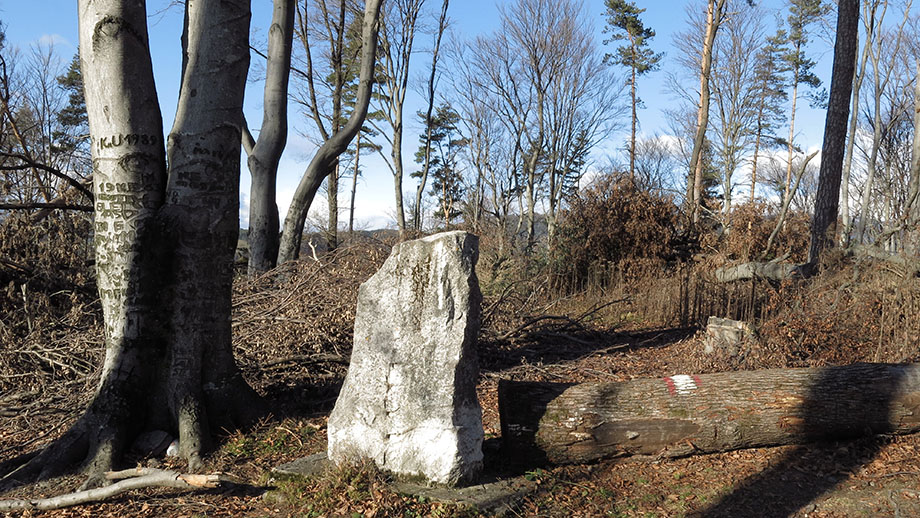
pixel 824 224
pixel 327 155
pixel 681 415
pixel 265 153
pixel 869 24
pixel 164 244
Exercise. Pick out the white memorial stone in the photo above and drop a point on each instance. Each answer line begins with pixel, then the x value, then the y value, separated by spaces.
pixel 409 402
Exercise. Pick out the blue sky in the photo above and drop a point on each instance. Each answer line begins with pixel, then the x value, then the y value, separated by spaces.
pixel 43 21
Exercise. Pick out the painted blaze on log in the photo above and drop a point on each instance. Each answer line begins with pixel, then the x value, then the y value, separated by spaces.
pixel 680 415
pixel 409 399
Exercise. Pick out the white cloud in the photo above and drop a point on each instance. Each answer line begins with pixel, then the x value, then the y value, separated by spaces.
pixel 56 41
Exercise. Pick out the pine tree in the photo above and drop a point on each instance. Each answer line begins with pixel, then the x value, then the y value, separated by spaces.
pixel 70 142
pixel 771 95
pixel 802 14
pixel 623 21
pixel 446 143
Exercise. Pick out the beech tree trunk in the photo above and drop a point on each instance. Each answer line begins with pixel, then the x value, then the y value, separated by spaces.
pixel 327 155
pixel 714 15
pixel 681 415
pixel 265 152
pixel 164 239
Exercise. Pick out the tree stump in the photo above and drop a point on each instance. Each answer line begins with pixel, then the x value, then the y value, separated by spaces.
pixel 681 415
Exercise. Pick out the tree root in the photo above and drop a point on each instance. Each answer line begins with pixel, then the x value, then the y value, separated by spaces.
pixel 127 480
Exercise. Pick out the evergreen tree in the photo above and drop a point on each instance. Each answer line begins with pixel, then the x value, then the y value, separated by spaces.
pixel 71 139
pixel 446 143
pixel 802 14
pixel 623 21
pixel 771 96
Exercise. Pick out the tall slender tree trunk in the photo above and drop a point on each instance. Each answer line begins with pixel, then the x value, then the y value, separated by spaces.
pixel 423 180
pixel 265 153
pixel 354 187
pixel 824 224
pixel 713 20
pixel 754 158
pixel 332 188
pixel 913 203
pixel 327 155
pixel 870 25
pixel 398 172
pixel 632 134
pixel 851 139
pixel 790 147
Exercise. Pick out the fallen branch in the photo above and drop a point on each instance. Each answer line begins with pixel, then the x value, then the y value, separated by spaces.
pixel 128 479
pixel 533 321
pixel 773 271
pixel 788 199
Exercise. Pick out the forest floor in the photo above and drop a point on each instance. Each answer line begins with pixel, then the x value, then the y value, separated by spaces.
pixel 872 477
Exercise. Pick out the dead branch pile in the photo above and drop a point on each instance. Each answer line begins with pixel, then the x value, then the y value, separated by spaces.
pixel 300 316
pixel 50 330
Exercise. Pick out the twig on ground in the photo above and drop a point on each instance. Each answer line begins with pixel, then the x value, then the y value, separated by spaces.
pixel 533 321
pixel 128 479
pixel 583 316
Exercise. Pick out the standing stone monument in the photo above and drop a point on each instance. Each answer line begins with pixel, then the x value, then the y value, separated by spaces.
pixel 409 402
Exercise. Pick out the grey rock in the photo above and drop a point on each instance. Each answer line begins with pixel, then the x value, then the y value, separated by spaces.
pixel 310 465
pixel 409 402
pixel 726 335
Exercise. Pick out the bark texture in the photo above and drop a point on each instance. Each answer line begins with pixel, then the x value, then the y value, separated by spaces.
pixel 682 415
pixel 164 242
pixel 824 224
pixel 714 15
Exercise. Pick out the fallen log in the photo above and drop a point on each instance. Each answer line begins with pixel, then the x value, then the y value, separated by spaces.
pixel 680 415
pixel 773 271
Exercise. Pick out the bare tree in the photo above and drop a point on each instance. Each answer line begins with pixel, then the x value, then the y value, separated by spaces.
pixel 164 236
pixel 872 22
pixel 888 44
pixel 735 90
pixel 526 66
pixel 491 153
pixel 43 147
pixel 265 152
pixel 714 13
pixel 430 95
pixel 397 37
pixel 325 160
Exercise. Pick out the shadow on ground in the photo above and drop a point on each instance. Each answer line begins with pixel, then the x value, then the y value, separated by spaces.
pixel 807 472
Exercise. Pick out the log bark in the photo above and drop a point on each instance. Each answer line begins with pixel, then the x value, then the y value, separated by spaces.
pixel 681 415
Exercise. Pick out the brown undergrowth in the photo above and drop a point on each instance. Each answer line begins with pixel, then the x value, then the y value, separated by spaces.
pixel 292 336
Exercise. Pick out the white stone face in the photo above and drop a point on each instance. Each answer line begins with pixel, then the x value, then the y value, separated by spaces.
pixel 409 399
